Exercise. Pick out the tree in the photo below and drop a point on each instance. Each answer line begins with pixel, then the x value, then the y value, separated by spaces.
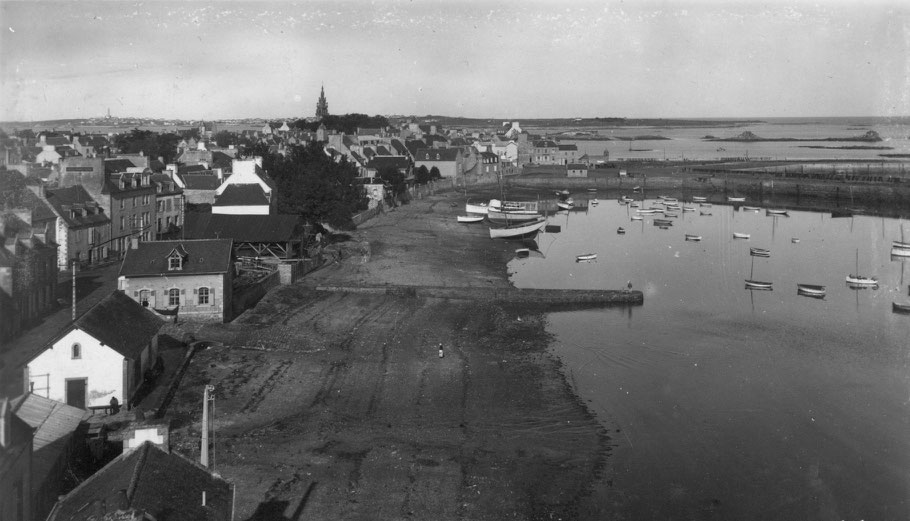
pixel 346 123
pixel 422 176
pixel 434 174
pixel 312 184
pixel 12 185
pixel 150 143
pixel 394 179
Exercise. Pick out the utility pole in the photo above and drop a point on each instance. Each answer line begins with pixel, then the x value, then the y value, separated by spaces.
pixel 206 424
pixel 74 290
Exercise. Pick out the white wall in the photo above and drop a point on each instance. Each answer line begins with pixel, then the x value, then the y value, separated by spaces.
pixel 241 210
pixel 101 365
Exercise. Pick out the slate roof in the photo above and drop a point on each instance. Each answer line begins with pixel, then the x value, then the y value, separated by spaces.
pixel 380 162
pixel 70 196
pixel 399 147
pixel 165 485
pixel 568 147
pixel 53 423
pixel 243 228
pixel 166 182
pixel 118 322
pixel 577 166
pixel 202 256
pixel 200 181
pixel 437 154
pixel 242 195
pixel 113 166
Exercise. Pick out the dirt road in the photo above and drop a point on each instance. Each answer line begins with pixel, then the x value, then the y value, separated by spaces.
pixel 338 405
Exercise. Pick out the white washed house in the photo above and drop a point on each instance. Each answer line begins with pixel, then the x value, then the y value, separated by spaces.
pixel 103 354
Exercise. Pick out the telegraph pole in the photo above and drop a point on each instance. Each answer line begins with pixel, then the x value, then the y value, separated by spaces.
pixel 74 290
pixel 206 424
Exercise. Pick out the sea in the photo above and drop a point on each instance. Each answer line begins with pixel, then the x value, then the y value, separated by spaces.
pixel 681 143
pixel 723 402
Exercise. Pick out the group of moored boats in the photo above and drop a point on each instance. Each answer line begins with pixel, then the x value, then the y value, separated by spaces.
pixel 507 219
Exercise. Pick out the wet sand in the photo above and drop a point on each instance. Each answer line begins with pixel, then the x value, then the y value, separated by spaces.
pixel 338 405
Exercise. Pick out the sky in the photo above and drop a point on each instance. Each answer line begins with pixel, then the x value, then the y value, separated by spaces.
pixel 482 59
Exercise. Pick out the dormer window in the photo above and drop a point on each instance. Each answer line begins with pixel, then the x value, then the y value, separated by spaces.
pixel 176 259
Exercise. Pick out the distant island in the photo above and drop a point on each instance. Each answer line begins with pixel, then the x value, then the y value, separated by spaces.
pixel 869 137
pixel 848 147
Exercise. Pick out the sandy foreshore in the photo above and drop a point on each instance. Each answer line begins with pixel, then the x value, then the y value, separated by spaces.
pixel 338 405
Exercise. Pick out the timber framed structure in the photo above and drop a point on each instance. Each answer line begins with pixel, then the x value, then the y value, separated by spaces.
pixel 279 237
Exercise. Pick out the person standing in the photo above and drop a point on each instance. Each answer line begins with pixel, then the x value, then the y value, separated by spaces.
pixel 441 353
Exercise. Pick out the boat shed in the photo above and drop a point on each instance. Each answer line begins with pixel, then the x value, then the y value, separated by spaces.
pixel 271 236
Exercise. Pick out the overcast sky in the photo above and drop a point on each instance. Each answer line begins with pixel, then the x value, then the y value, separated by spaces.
pixel 500 59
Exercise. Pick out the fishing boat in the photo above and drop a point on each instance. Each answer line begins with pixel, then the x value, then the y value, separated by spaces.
pixel 759 252
pixel 518 231
pixel 736 199
pixel 738 235
pixel 777 212
pixel 698 199
pixel 663 222
pixel 750 208
pixel 902 308
pixel 692 237
pixel 671 214
pixel 620 230
pixel 480 208
pixel 860 280
pixel 505 218
pixel 758 284
pixel 637 218
pixel 648 210
pixel 811 290
pixel 688 208
pixel 470 218
pixel 514 207
pixel 585 257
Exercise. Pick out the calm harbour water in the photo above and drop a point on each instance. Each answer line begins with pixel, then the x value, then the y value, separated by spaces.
pixel 725 403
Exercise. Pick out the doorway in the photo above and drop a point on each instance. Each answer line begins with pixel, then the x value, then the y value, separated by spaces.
pixel 75 392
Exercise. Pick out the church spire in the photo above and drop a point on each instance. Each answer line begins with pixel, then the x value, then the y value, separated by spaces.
pixel 322 106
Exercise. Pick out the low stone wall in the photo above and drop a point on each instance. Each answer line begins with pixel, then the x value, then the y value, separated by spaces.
pixel 249 295
pixel 545 297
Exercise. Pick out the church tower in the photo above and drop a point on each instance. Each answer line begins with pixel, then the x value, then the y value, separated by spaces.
pixel 322 106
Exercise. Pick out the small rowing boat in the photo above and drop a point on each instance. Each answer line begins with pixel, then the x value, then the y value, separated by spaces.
pixel 794 240
pixel 860 280
pixel 637 218
pixel 901 308
pixel 901 245
pixel 750 208
pixel 620 230
pixel 648 210
pixel 698 199
pixel 663 222
pixel 705 212
pixel 518 231
pixel 758 284
pixel 759 252
pixel 470 218
pixel 811 290
pixel 777 212
pixel 523 252
pixel 585 257
pixel 736 199
pixel 688 208
pixel 692 237
pixel 738 235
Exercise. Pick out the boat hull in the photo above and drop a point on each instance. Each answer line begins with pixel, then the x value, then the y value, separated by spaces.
pixel 740 235
pixel 476 208
pixel 470 218
pixel 859 280
pixel 811 290
pixel 511 217
pixel 518 231
pixel 758 284
pixel 903 309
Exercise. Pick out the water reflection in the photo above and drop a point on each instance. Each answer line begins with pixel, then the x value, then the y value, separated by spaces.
pixel 753 403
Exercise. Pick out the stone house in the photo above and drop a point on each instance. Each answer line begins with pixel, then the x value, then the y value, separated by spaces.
pixel 577 170
pixel 192 278
pixel 133 206
pixel 82 228
pixel 489 164
pixel 28 277
pixel 248 191
pixel 103 354
pixel 544 152
pixel 15 465
pixel 449 161
pixel 567 153
pixel 169 205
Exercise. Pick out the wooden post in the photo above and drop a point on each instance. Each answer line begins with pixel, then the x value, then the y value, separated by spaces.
pixel 74 290
pixel 206 425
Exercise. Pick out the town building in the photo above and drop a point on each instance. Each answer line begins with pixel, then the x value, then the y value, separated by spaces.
pixel 449 161
pixel 544 152
pixel 103 354
pixel 322 106
pixel 133 206
pixel 82 228
pixel 567 153
pixel 15 465
pixel 577 170
pixel 248 191
pixel 169 206
pixel 189 278
pixel 148 483
pixel 28 274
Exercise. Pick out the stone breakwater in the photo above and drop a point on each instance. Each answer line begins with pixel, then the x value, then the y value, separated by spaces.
pixel 543 297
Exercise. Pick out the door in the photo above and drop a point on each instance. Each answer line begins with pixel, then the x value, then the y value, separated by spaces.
pixel 75 392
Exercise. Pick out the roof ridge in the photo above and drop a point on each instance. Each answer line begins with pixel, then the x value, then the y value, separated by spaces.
pixel 137 470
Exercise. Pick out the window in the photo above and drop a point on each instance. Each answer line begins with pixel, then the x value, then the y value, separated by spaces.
pixel 134 202
pixel 173 297
pixel 174 262
pixel 121 221
pixel 122 203
pixel 203 296
pixel 76 351
pixel 145 200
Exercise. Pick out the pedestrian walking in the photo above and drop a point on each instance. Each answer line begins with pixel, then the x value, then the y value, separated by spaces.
pixel 441 354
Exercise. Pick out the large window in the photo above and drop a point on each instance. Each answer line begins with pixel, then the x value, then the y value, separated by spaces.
pixel 173 297
pixel 203 296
